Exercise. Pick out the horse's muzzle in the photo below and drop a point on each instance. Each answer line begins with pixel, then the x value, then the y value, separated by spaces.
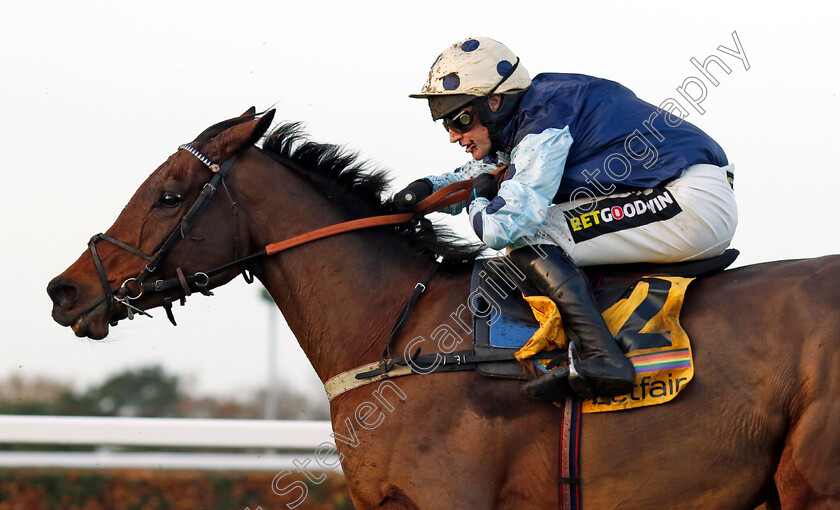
pixel 86 320
pixel 63 294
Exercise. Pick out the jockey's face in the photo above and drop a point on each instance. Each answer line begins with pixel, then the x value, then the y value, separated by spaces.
pixel 476 139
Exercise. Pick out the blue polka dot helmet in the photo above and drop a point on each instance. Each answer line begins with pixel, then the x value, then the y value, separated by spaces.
pixel 474 67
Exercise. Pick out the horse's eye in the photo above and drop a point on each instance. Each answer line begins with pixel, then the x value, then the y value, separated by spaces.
pixel 171 199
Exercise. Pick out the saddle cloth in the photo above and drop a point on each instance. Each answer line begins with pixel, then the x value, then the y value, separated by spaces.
pixel 640 304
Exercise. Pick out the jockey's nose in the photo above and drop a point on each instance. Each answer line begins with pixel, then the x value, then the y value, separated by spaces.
pixel 62 294
pixel 454 136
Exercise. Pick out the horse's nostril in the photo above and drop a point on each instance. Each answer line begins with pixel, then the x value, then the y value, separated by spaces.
pixel 62 294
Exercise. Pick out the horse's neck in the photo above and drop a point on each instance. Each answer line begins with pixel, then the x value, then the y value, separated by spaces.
pixel 339 295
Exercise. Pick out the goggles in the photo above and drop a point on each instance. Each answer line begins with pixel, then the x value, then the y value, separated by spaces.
pixel 461 122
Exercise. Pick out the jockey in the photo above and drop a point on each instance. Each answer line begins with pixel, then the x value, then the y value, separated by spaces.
pixel 596 176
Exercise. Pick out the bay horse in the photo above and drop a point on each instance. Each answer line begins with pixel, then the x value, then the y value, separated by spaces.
pixel 760 422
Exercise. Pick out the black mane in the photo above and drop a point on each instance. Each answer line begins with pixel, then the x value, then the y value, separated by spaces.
pixel 361 190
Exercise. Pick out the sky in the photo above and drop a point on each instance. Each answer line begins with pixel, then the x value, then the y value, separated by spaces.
pixel 95 95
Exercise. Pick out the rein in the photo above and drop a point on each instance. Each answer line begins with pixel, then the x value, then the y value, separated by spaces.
pixel 451 194
pixel 200 281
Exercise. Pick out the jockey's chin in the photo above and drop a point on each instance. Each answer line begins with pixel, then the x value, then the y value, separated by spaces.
pixel 476 142
pixel 478 152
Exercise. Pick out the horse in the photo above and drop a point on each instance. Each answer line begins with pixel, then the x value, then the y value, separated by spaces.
pixel 757 424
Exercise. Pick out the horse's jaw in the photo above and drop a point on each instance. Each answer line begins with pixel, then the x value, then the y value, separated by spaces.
pixel 93 323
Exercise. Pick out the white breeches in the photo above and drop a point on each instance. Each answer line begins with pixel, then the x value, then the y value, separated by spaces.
pixel 643 226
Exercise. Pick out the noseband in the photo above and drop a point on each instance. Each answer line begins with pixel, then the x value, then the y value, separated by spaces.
pixel 123 294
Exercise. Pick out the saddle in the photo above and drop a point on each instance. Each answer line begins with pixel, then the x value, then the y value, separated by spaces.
pixel 503 320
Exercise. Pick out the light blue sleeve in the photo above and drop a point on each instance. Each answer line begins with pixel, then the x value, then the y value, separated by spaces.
pixel 470 170
pixel 536 169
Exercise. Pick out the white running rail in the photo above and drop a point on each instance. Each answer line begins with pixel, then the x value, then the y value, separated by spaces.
pixel 311 439
pixel 181 432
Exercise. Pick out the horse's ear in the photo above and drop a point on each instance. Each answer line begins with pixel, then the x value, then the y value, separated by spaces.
pixel 241 136
pixel 262 126
pixel 217 128
pixel 250 113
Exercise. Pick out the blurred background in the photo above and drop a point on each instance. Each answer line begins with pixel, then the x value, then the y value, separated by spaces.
pixel 95 95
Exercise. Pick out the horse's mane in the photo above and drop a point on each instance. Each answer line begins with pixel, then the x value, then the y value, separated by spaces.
pixel 361 190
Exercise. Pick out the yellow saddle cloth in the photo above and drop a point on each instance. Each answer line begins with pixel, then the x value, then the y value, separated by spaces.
pixel 648 320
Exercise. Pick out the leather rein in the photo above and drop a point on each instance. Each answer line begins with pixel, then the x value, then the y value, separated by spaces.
pixel 200 281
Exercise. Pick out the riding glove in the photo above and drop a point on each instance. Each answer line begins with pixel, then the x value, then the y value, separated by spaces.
pixel 406 199
pixel 487 185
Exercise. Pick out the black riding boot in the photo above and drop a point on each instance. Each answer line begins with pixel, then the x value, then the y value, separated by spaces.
pixel 605 369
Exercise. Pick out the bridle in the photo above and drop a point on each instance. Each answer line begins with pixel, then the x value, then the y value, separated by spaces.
pixel 200 281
